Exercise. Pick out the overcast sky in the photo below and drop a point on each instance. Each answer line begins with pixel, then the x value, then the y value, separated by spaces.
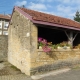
pixel 63 8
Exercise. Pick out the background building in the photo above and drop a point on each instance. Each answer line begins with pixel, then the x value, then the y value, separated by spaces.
pixel 4 22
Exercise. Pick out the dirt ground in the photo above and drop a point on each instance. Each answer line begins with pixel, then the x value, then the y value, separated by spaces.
pixel 7 69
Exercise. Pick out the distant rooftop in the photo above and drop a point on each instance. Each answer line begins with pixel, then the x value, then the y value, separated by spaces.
pixel 5 16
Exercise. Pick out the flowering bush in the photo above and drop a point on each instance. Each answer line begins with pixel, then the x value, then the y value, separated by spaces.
pixel 46 49
pixel 47 46
pixel 44 44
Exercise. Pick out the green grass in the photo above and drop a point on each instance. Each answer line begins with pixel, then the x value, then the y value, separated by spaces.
pixel 15 68
pixel 76 67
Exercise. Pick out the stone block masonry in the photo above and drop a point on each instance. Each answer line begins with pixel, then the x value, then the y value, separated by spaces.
pixel 3 47
pixel 56 60
pixel 19 43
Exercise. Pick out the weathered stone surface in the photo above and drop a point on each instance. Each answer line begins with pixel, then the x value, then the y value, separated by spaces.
pixel 54 66
pixel 19 43
pixel 57 59
pixel 3 47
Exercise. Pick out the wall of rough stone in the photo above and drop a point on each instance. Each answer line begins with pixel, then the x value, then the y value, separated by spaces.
pixel 3 47
pixel 55 60
pixel 19 42
pixel 34 37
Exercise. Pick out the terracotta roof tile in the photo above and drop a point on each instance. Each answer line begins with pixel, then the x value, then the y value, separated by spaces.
pixel 4 17
pixel 39 16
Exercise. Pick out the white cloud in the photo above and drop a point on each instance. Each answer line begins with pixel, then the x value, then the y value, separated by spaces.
pixel 69 1
pixel 37 6
pixel 64 1
pixel 18 3
pixel 49 6
pixel 45 0
pixel 62 10
pixel 71 15
pixel 42 0
pixel 65 9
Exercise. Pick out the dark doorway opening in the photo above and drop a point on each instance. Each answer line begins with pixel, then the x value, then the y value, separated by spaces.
pixel 52 35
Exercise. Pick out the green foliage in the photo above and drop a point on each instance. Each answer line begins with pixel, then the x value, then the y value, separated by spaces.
pixel 77 16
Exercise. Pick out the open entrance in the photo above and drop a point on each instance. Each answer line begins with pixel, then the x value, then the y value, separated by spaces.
pixel 58 35
pixel 77 41
pixel 52 35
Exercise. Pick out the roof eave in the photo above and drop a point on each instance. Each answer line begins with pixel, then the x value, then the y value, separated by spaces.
pixel 56 25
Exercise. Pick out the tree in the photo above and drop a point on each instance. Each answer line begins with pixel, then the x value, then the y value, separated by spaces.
pixel 77 16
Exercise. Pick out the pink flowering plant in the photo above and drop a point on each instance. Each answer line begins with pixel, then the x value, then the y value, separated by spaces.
pixel 48 46
pixel 44 44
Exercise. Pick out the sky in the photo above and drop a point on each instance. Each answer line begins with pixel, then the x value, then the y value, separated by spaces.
pixel 62 8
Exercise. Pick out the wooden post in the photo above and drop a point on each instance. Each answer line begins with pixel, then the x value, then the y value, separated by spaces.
pixel 70 38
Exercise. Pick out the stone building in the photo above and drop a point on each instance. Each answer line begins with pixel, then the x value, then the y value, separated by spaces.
pixel 24 29
pixel 4 22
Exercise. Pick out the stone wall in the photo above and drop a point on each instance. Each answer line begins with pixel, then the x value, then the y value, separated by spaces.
pixel 3 47
pixel 55 60
pixel 19 42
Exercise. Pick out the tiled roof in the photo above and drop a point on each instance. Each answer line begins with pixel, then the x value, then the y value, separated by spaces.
pixel 39 16
pixel 4 17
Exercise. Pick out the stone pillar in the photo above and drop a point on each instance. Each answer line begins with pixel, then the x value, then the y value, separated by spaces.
pixel 33 48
